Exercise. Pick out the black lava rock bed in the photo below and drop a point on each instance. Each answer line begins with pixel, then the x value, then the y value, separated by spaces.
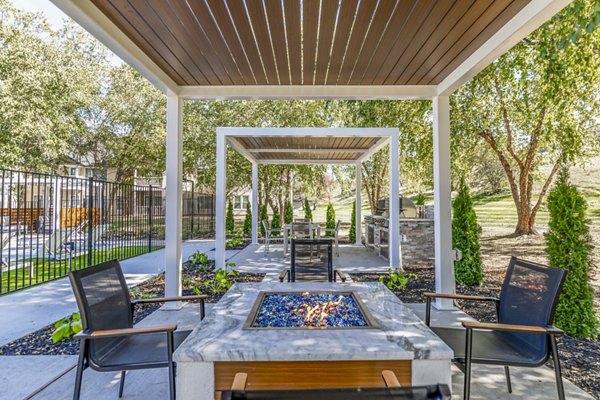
pixel 580 358
pixel 40 342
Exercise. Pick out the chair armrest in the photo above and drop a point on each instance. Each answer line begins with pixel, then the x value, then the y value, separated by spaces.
pixel 340 274
pixel 550 330
pixel 124 332
pixel 390 378
pixel 168 299
pixel 283 274
pixel 459 296
pixel 239 381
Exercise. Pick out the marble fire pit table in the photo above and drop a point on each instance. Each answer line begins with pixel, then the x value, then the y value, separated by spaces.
pixel 220 346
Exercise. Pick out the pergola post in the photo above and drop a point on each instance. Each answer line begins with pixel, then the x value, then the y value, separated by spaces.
pixel 255 203
pixel 220 201
pixel 394 207
pixel 173 195
pixel 358 205
pixel 444 264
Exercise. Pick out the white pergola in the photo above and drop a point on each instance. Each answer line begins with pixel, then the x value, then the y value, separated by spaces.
pixel 308 146
pixel 310 49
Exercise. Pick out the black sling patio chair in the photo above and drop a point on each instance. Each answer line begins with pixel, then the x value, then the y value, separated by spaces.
pixel 108 341
pixel 312 260
pixel 524 335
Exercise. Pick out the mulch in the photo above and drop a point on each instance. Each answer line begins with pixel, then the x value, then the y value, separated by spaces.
pixel 580 358
pixel 40 342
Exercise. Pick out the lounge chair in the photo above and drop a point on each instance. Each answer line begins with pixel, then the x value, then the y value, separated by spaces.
pixel 108 341
pixel 524 335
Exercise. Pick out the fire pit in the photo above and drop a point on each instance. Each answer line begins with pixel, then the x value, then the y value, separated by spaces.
pixel 309 310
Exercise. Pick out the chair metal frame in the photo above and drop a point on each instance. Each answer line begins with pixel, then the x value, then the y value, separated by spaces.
pixel 268 232
pixel 469 328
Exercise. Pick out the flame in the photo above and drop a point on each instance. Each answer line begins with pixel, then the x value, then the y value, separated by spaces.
pixel 316 315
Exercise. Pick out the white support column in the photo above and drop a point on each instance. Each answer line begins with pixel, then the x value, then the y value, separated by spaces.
pixel 358 205
pixel 394 207
pixel 220 200
pixel 255 203
pixel 173 195
pixel 444 264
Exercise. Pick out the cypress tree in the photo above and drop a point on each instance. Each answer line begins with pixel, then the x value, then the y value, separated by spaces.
pixel 465 237
pixel 288 217
pixel 229 221
pixel 276 222
pixel 569 246
pixel 263 217
pixel 307 210
pixel 248 221
pixel 330 224
pixel 352 234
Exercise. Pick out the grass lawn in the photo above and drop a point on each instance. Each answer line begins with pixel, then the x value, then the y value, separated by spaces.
pixel 46 270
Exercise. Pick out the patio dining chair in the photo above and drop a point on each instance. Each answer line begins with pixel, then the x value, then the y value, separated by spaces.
pixel 335 232
pixel 108 341
pixel 302 230
pixel 312 260
pixel 392 390
pixel 301 220
pixel 523 336
pixel 271 235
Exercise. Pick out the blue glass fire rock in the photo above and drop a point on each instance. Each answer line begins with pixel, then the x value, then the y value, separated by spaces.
pixel 308 310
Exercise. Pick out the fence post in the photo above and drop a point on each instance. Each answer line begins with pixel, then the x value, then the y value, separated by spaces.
pixel 90 220
pixel 150 218
pixel 191 234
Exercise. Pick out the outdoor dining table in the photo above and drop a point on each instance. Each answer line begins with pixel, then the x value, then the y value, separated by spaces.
pixel 287 231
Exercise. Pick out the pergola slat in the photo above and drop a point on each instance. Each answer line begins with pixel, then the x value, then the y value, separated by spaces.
pixel 258 20
pixel 327 26
pixel 275 19
pixel 340 41
pixel 310 23
pixel 293 27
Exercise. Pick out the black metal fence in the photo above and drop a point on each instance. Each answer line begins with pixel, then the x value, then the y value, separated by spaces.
pixel 50 224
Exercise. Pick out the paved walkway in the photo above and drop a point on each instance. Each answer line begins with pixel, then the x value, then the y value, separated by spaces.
pixel 34 308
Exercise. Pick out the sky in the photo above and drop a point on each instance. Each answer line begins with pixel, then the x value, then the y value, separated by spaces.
pixel 54 16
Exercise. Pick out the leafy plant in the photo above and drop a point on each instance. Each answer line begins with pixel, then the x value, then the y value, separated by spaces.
pixel 569 246
pixel 396 280
pixel 465 237
pixel 307 209
pixel 330 224
pixel 223 280
pixel 352 233
pixel 248 221
pixel 199 258
pixel 263 217
pixel 66 327
pixel 236 241
pixel 229 221
pixel 420 199
pixel 276 222
pixel 288 216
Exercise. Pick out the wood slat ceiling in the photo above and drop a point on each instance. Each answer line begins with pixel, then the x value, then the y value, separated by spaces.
pixel 309 42
pixel 291 148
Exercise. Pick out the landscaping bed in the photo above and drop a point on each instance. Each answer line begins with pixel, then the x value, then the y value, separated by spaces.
pixel 580 358
pixel 40 342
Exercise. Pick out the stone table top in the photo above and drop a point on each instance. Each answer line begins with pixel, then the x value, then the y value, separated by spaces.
pixel 401 335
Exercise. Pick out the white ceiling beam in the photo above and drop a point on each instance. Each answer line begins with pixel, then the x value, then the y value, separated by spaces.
pixel 319 150
pixel 531 17
pixel 309 92
pixel 239 148
pixel 307 132
pixel 376 147
pixel 307 161
pixel 90 18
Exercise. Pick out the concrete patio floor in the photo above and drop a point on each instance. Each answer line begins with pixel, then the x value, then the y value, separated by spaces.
pixel 488 381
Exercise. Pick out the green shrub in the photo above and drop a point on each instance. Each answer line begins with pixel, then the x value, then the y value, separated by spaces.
pixel 330 224
pixel 465 237
pixel 200 260
pixel 248 221
pixel 236 241
pixel 352 234
pixel 263 217
pixel 396 280
pixel 420 199
pixel 66 327
pixel 288 217
pixel 229 221
pixel 223 280
pixel 276 222
pixel 569 246
pixel 307 210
